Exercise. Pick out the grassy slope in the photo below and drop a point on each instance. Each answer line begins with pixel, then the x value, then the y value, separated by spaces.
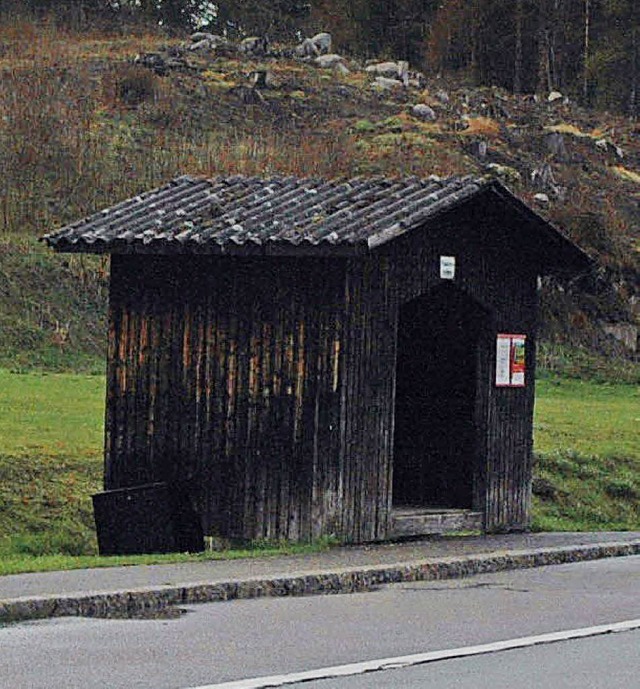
pixel 52 308
pixel 82 128
pixel 588 456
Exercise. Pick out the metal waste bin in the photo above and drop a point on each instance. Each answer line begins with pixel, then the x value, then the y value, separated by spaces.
pixel 150 518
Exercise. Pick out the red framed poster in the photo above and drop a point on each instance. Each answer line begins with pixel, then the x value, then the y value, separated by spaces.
pixel 510 361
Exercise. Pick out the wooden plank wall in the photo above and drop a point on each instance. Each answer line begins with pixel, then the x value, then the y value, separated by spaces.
pixel 263 389
pixel 227 383
pixel 368 400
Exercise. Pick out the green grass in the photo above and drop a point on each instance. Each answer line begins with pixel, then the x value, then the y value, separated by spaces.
pixel 16 564
pixel 587 456
pixel 55 415
pixel 587 469
pixel 589 418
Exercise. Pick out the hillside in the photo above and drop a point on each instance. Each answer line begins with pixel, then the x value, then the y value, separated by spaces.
pixel 89 120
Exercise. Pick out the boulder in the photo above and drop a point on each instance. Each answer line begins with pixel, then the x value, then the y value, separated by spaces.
pixel 201 36
pixel 606 146
pixel 424 112
pixel 556 145
pixel 322 42
pixel 509 174
pixel 554 96
pixel 386 84
pixel 443 97
pixel 479 149
pixel 306 49
pixel 206 41
pixel 328 61
pixel 261 79
pixel 541 198
pixel 201 46
pixel 153 61
pixel 391 70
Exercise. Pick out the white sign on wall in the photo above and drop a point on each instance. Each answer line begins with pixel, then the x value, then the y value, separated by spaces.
pixel 447 267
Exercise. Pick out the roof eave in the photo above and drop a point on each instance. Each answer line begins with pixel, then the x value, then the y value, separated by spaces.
pixel 247 249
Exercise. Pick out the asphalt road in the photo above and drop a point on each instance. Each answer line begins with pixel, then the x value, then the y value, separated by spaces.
pixel 602 662
pixel 220 642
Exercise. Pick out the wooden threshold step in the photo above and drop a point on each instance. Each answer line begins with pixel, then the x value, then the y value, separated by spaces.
pixel 425 521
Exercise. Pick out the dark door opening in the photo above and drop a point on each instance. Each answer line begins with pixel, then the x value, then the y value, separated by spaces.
pixel 436 439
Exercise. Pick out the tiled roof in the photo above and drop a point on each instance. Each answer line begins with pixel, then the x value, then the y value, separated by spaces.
pixel 290 215
pixel 251 214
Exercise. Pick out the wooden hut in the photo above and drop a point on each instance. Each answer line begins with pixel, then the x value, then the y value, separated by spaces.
pixel 297 358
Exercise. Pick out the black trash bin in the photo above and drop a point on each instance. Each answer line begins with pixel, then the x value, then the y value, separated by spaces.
pixel 150 518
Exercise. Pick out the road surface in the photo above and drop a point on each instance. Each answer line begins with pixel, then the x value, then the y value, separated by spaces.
pixel 212 644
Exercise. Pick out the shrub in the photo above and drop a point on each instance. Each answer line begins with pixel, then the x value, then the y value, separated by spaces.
pixel 135 85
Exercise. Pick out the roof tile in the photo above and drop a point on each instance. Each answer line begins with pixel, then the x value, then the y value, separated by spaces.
pixel 204 215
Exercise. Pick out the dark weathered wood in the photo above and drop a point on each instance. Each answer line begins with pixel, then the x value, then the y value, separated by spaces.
pixel 264 390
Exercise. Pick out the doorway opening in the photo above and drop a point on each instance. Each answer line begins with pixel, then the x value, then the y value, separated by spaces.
pixel 436 431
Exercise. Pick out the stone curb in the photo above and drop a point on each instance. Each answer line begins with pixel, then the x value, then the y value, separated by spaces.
pixel 139 601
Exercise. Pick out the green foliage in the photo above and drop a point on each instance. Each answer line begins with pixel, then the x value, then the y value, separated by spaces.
pixel 364 127
pixel 587 468
pixel 559 360
pixel 587 418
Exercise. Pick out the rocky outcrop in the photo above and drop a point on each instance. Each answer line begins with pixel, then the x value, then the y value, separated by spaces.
pixel 320 44
pixel 398 71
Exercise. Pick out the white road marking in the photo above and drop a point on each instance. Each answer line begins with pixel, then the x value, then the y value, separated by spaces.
pixel 422 658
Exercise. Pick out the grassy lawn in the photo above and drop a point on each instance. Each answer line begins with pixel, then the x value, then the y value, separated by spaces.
pixel 587 466
pixel 589 418
pixel 51 415
pixel 587 444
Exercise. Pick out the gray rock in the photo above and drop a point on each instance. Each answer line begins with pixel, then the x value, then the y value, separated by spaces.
pixel 541 198
pixel 386 84
pixel 322 42
pixel 417 79
pixel 507 173
pixel 606 146
pixel 556 145
pixel 328 61
pixel 442 96
pixel 554 96
pixel 153 61
pixel 391 70
pixel 201 46
pixel 261 79
pixel 424 112
pixel 479 149
pixel 201 36
pixel 306 49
